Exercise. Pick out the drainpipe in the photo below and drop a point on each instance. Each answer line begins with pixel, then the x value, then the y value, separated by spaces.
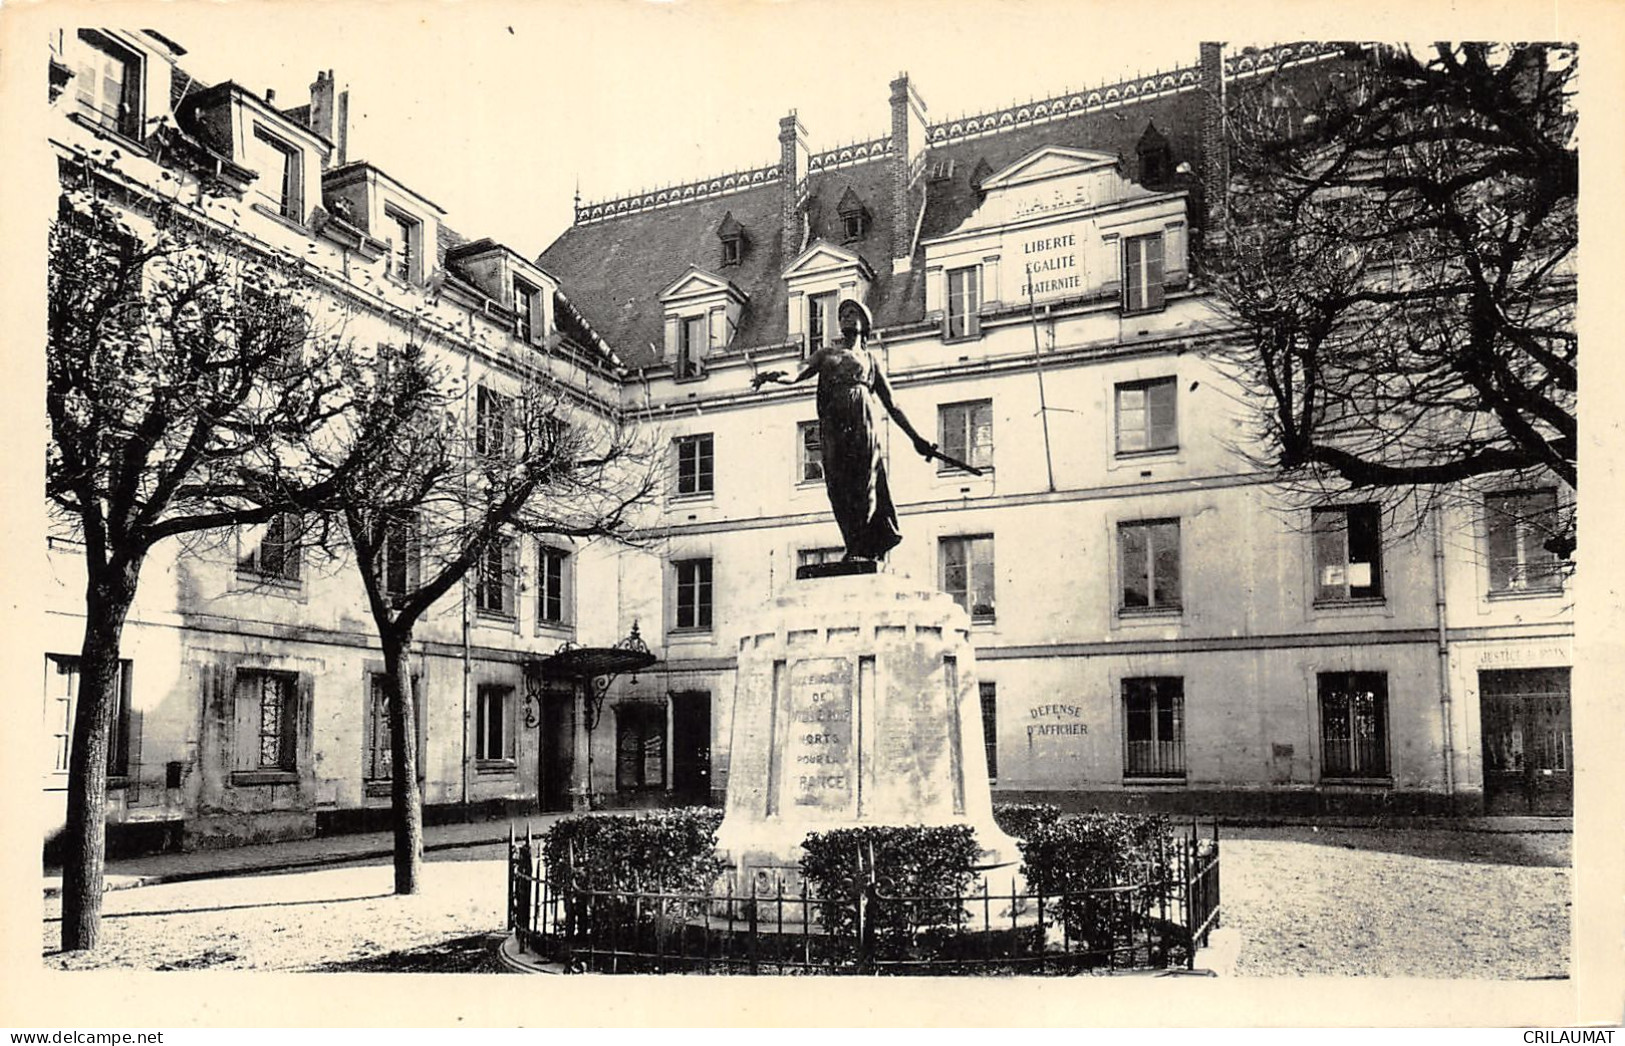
pixel 1444 659
pixel 468 660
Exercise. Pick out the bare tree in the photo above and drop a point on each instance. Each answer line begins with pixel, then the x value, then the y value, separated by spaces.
pixel 188 389
pixel 1398 254
pixel 477 467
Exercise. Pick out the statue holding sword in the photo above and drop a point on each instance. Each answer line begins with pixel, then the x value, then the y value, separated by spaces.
pixel 850 383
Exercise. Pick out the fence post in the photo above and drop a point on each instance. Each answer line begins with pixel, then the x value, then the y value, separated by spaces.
pixel 752 925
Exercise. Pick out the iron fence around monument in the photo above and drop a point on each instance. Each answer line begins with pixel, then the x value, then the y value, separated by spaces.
pixel 1158 923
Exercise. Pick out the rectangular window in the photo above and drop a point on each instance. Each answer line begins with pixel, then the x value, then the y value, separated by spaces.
pixel 1348 554
pixel 267 723
pixel 1150 550
pixel 821 325
pixel 1520 524
pixel 732 250
pixel 1154 727
pixel 694 465
pixel 271 552
pixel 553 596
pixel 492 412
pixel 810 449
pixel 966 432
pixel 1146 416
pixel 493 588
pixel 1353 724
pixel 380 759
pixel 964 299
pixel 398 561
pixel 813 557
pixel 403 245
pixel 280 169
pixel 988 692
pixel 524 308
pixel 1142 273
pixel 967 574
pixel 693 593
pixel 107 83
pixel 62 702
pixel 493 724
pixel 691 346
pixel 640 746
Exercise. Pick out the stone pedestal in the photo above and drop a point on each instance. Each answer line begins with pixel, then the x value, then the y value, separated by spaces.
pixel 856 704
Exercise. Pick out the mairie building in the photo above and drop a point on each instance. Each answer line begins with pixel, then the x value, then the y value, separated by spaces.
pixel 1157 624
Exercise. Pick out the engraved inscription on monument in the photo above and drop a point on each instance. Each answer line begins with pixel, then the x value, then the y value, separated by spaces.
pixel 819 768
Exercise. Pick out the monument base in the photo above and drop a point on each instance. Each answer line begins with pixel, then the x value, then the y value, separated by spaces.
pixel 856 704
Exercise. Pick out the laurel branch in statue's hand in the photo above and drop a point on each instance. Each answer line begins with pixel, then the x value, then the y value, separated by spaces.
pixel 766 376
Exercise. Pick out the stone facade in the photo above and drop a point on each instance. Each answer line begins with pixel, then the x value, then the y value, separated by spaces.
pixel 1154 624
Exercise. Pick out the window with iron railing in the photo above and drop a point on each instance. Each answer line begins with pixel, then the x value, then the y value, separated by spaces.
pixel 1154 727
pixel 1353 724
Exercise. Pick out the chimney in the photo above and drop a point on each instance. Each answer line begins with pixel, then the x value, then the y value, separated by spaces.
pixel 1215 145
pixel 908 133
pixel 792 170
pixel 330 115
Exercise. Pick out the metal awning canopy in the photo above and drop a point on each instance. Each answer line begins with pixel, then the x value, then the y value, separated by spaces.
pixel 590 662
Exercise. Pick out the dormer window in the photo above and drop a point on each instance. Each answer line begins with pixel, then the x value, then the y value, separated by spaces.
pixel 702 315
pixel 280 184
pixel 403 245
pixel 108 84
pixel 818 280
pixel 979 174
pixel 821 325
pixel 1156 165
pixel 732 235
pixel 524 309
pixel 691 348
pixel 854 216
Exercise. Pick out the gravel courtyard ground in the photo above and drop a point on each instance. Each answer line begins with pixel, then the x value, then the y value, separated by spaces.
pixel 1333 902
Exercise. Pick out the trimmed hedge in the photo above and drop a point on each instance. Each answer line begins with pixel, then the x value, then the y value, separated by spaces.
pixel 1023 819
pixel 935 864
pixel 1092 852
pixel 671 850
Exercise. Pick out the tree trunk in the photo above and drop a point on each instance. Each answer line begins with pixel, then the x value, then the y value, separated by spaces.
pixel 108 594
pixel 406 800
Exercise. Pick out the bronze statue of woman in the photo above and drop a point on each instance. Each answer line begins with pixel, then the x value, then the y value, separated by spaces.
pixel 850 382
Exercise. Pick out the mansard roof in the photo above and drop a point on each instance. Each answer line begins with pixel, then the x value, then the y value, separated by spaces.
pixel 617 260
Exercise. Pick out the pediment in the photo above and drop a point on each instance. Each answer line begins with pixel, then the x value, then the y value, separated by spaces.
pixel 1052 161
pixel 696 283
pixel 823 256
